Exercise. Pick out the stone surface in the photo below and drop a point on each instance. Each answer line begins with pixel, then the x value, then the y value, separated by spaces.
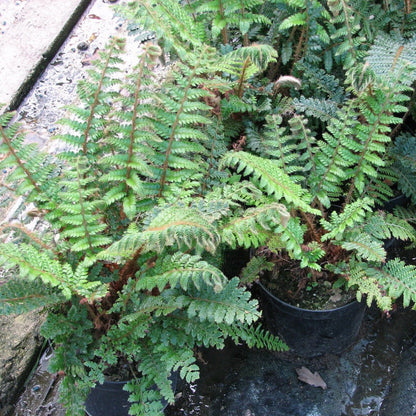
pixel 20 346
pixel 375 377
pixel 31 33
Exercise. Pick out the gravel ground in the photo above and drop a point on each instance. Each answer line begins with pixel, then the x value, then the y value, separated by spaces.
pixel 56 88
pixel 44 105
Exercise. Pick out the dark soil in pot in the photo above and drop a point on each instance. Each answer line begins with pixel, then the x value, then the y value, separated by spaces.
pixel 297 287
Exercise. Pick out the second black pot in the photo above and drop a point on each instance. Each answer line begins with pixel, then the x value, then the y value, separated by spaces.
pixel 311 333
pixel 109 399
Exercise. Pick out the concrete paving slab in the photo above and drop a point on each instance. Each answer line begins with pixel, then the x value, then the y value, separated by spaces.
pixel 31 32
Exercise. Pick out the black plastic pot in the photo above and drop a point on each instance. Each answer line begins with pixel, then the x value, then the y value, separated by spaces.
pixel 109 399
pixel 311 333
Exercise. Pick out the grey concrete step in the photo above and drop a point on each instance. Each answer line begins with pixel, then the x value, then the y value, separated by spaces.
pixel 31 32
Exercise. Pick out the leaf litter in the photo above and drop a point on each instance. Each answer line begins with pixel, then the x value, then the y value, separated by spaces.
pixel 313 379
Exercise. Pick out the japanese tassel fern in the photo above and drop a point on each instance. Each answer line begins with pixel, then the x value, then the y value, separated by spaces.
pixel 130 265
pixel 340 178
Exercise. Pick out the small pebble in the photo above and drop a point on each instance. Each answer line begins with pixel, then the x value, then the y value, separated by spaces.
pixel 36 388
pixel 83 46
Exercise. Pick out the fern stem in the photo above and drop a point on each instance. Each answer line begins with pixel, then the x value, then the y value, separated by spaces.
pixel 134 118
pixel 246 41
pixel 210 163
pixel 368 141
pixel 81 204
pixel 311 226
pixel 224 31
pixel 298 49
pixel 19 162
pixel 397 56
pixel 28 233
pixel 190 7
pixel 9 188
pixel 96 99
pixel 407 6
pixel 176 124
pixel 240 89
pixel 335 152
pixel 129 270
pixel 303 40
pixel 91 312
pixel 307 141
pixel 349 30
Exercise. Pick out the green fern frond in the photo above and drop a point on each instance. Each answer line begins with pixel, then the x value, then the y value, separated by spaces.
pixel 407 214
pixel 383 284
pixel 230 305
pixel 184 270
pixel 172 226
pixel 378 109
pixel 407 183
pixel 275 143
pixel 322 109
pixel 253 227
pixel 390 54
pixel 347 33
pixel 231 19
pixel 257 337
pixel 366 279
pixel 259 54
pixel 365 247
pixel 33 264
pixel 94 94
pixel 19 296
pixel 404 154
pixel 289 238
pixel 398 279
pixel 333 156
pixel 170 21
pixel 271 179
pixel 251 272
pixel 74 209
pixel 352 214
pixel 319 84
pixel 385 226
pixel 34 172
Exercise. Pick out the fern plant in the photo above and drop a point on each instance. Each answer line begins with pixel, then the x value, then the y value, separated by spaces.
pixel 341 178
pixel 138 212
pixel 161 174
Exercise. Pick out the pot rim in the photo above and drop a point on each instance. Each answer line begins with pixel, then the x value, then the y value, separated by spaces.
pixel 296 308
